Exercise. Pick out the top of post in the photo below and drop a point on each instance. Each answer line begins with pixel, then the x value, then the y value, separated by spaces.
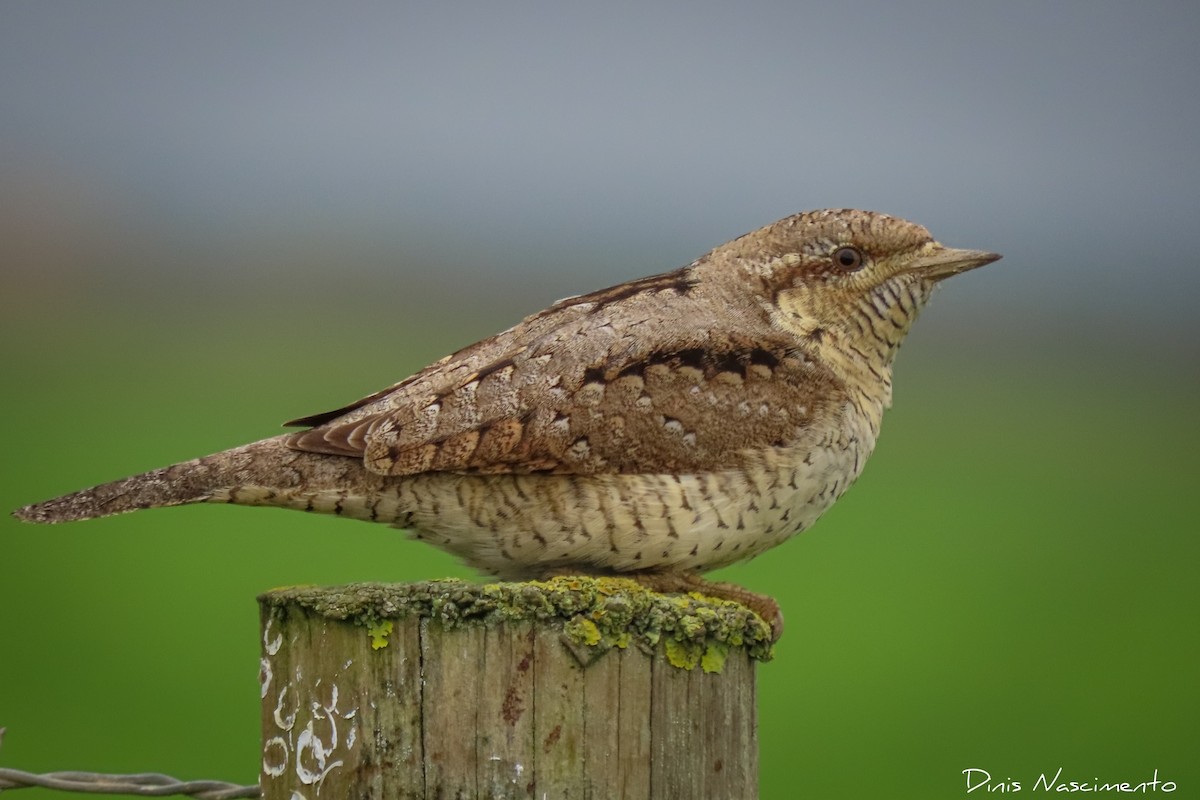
pixel 597 613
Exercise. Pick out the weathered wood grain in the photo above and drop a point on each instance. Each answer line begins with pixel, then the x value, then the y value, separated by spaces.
pixel 575 688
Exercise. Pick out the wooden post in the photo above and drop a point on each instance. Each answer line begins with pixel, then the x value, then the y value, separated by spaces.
pixel 573 688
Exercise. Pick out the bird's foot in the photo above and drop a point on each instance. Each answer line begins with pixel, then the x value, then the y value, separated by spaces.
pixel 684 582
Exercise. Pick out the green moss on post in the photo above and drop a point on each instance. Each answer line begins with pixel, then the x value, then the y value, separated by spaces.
pixel 576 687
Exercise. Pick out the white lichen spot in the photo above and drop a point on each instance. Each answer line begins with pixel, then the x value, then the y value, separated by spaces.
pixel 265 675
pixel 308 743
pixel 333 698
pixel 271 646
pixel 275 757
pixel 285 721
pixel 689 439
pixel 311 749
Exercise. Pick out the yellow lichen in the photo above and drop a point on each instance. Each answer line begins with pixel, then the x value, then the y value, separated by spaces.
pixel 583 630
pixel 713 659
pixel 379 632
pixel 596 614
pixel 684 655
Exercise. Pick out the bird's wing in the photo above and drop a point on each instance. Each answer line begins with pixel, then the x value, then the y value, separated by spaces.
pixel 562 392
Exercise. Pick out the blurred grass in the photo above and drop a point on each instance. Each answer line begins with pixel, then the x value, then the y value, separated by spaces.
pixel 1011 586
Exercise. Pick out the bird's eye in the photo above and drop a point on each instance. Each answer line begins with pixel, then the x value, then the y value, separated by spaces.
pixel 848 258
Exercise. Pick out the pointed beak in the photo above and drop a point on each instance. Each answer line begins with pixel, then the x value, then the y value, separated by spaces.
pixel 939 261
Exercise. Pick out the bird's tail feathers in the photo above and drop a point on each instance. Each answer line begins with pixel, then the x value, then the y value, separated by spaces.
pixel 194 481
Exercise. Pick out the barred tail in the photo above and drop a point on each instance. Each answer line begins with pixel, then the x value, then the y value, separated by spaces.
pixel 194 481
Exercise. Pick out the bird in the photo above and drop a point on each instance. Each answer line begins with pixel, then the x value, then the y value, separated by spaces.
pixel 657 429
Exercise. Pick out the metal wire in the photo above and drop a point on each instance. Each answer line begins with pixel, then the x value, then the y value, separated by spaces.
pixel 146 784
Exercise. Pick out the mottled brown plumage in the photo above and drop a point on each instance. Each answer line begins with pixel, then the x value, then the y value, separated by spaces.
pixel 662 427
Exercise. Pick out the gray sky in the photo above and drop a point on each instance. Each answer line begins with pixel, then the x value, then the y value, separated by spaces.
pixel 576 145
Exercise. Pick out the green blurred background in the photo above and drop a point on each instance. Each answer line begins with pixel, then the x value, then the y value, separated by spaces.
pixel 219 216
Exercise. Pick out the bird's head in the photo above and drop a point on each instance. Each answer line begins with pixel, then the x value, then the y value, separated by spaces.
pixel 847 279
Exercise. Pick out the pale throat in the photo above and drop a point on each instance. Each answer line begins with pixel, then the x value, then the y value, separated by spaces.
pixel 861 345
